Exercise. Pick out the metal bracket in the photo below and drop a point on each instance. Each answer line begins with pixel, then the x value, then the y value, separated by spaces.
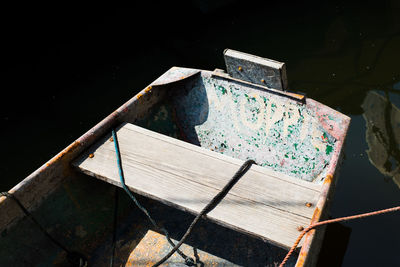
pixel 254 69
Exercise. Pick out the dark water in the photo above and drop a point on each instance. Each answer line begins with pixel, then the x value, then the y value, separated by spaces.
pixel 66 68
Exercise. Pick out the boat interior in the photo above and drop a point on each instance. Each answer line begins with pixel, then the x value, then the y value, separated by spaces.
pixel 221 115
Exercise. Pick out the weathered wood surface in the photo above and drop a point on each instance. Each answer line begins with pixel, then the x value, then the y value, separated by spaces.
pixel 256 70
pixel 263 203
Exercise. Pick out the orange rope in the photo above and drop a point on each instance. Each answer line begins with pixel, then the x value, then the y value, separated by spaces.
pixel 312 226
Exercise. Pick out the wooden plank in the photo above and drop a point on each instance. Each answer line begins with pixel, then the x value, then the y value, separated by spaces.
pixel 256 69
pixel 263 203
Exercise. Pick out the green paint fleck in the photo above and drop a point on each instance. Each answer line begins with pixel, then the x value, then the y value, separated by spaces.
pixel 295 146
pixel 328 149
pixel 286 156
pixel 293 157
pixel 306 159
pixel 256 145
pixel 223 90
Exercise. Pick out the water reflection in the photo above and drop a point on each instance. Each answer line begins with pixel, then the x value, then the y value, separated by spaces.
pixel 383 134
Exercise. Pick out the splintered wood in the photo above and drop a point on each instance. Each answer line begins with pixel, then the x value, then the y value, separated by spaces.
pixel 264 203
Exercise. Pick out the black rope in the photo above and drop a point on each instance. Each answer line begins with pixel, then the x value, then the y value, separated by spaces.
pixel 209 207
pixel 75 258
pixel 188 260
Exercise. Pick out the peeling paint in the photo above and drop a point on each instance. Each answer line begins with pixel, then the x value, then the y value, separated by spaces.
pixel 246 123
pixel 233 119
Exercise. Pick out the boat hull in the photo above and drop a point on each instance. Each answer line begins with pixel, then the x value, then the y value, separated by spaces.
pixel 77 210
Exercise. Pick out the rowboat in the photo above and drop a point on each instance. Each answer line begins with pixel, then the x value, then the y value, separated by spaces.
pixel 180 141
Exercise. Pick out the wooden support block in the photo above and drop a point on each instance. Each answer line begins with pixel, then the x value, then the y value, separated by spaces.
pixel 254 69
pixel 265 204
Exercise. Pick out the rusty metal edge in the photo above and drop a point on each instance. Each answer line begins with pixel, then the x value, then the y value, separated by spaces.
pixel 32 190
pixel 307 257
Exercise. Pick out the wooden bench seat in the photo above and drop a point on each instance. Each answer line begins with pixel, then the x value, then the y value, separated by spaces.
pixel 264 203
